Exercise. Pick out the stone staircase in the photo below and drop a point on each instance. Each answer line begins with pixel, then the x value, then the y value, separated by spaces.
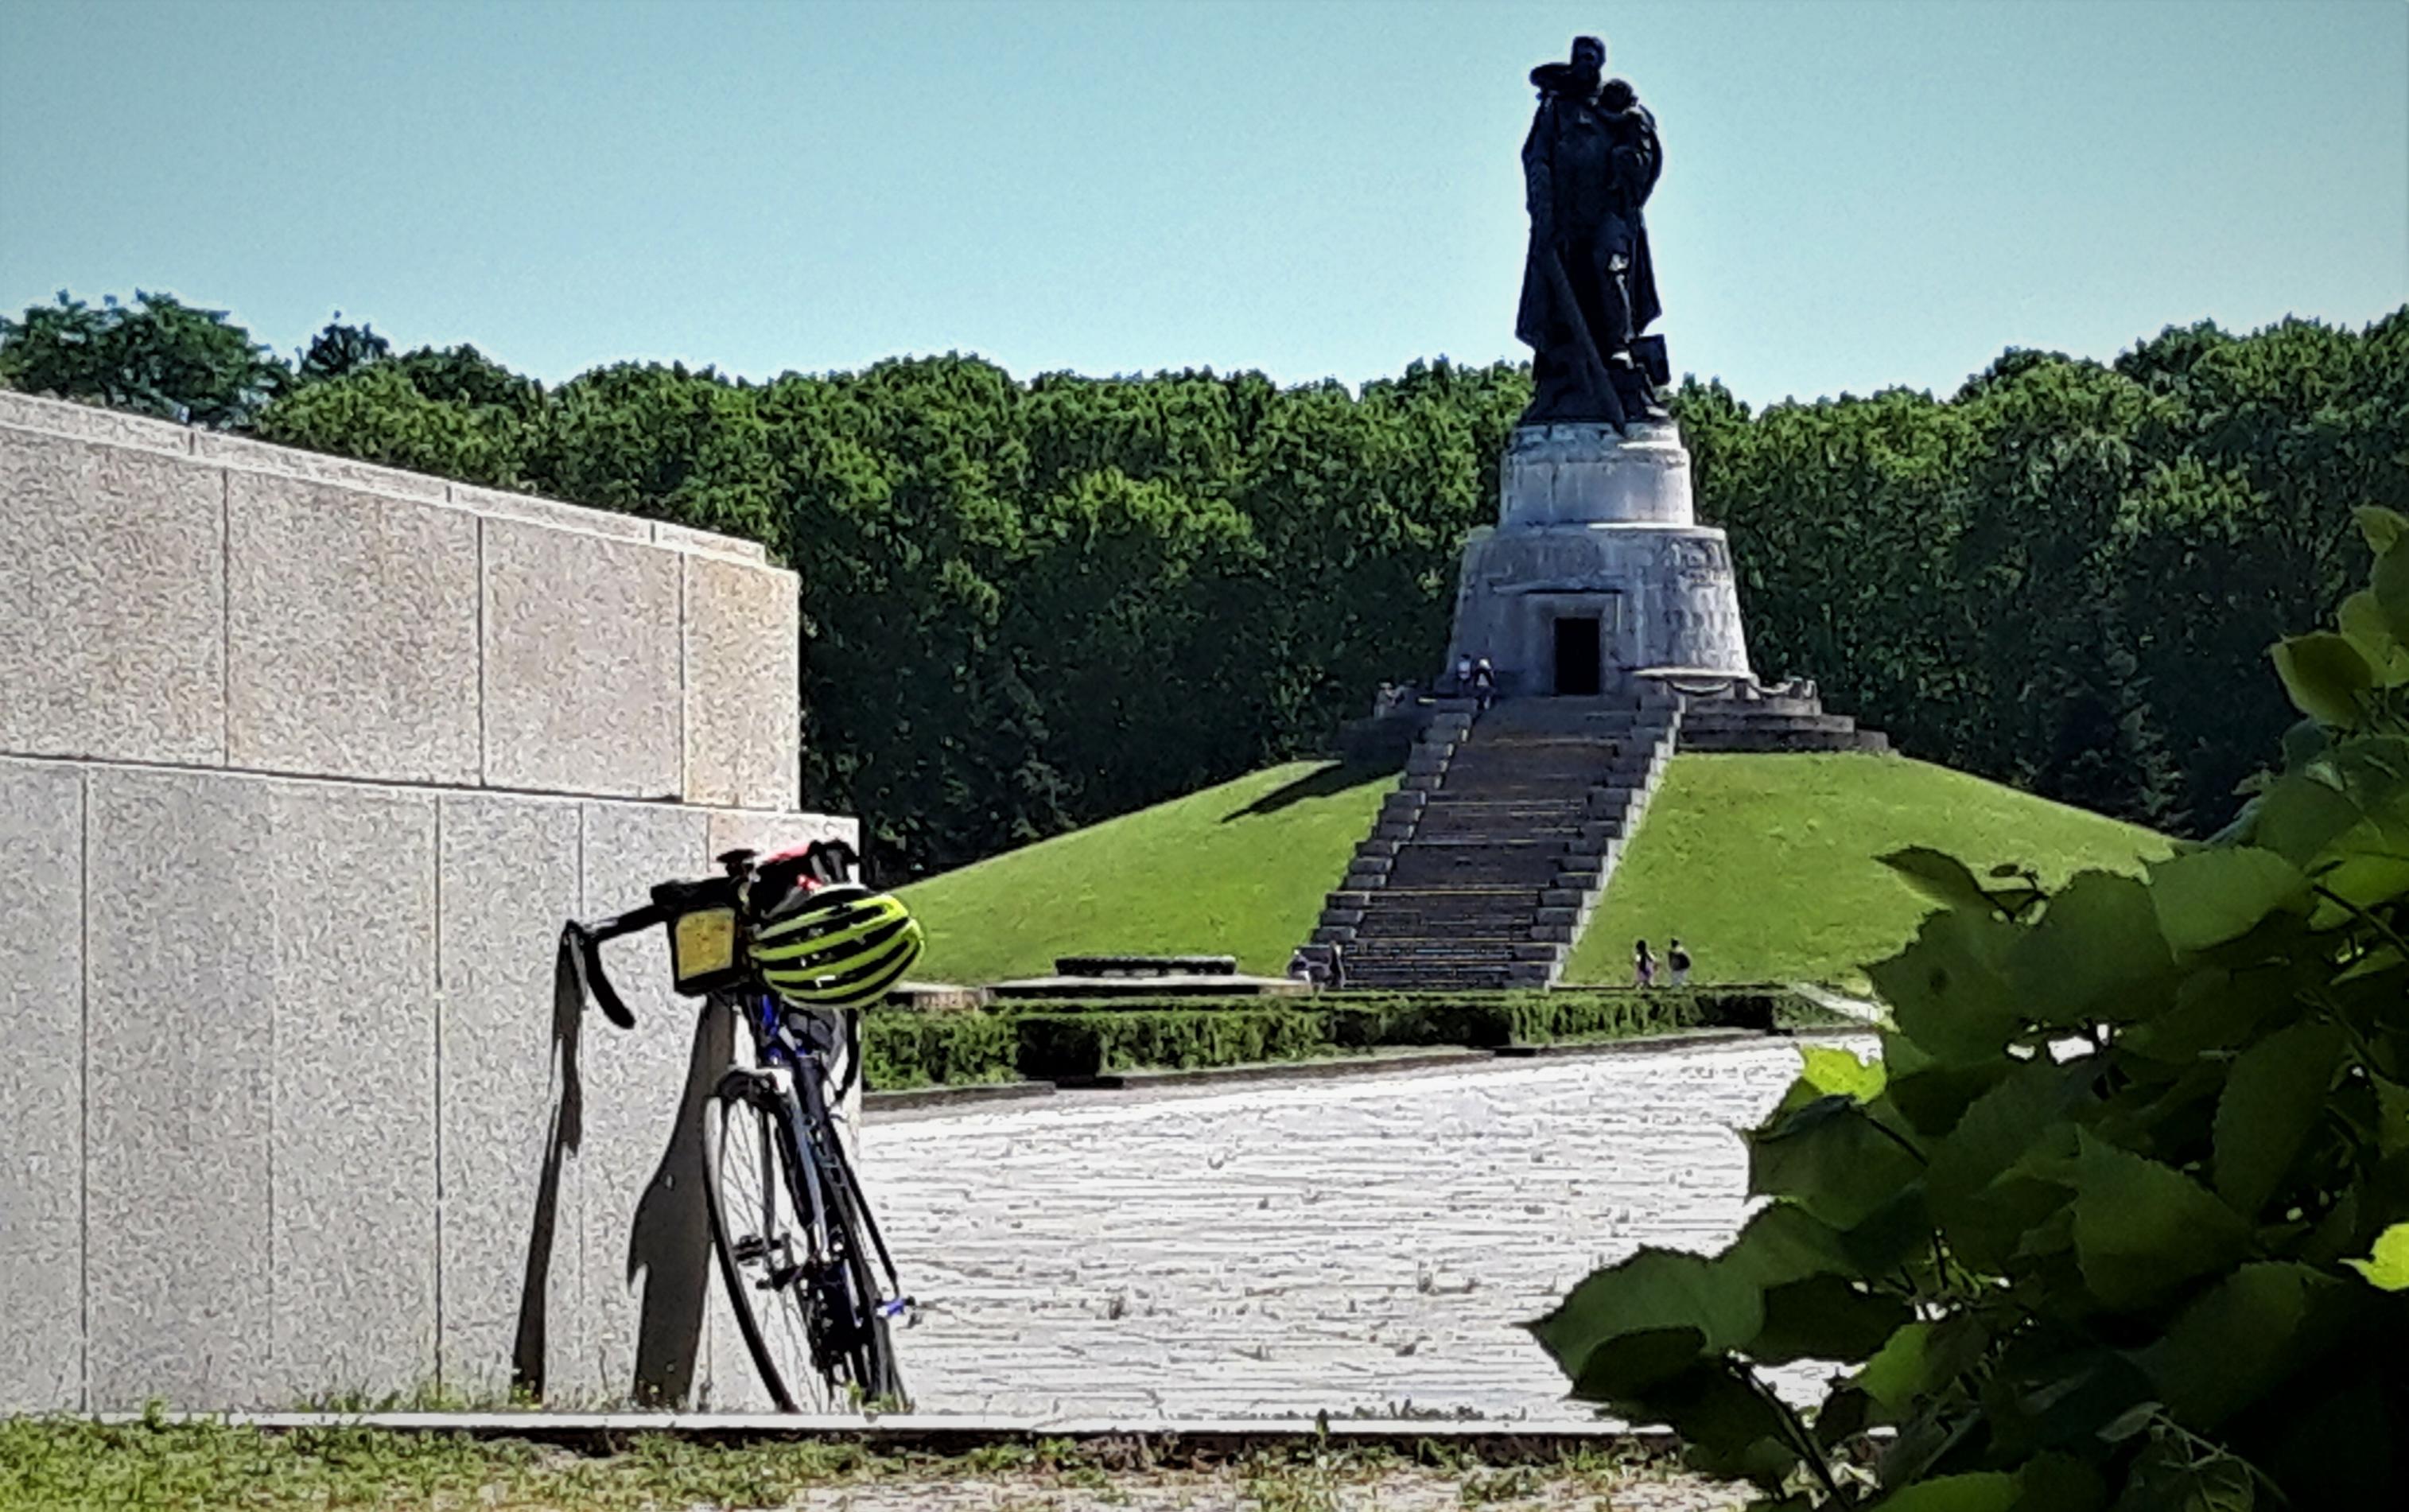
pixel 1486 863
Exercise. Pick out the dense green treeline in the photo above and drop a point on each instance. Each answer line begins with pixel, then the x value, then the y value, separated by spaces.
pixel 1031 604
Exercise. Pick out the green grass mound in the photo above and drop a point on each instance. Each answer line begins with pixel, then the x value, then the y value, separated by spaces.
pixel 1235 869
pixel 1766 866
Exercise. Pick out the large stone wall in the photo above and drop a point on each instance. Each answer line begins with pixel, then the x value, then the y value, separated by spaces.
pixel 302 763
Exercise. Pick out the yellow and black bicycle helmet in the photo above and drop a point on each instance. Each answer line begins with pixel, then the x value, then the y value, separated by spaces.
pixel 837 946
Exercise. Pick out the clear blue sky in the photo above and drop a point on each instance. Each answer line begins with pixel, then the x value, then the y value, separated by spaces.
pixel 1855 194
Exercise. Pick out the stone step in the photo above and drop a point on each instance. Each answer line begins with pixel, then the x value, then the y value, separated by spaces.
pixel 1472 955
pixel 1745 739
pixel 1733 715
pixel 1533 873
pixel 1471 927
pixel 1425 978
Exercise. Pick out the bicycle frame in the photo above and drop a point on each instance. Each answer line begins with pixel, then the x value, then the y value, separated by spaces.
pixel 811 1120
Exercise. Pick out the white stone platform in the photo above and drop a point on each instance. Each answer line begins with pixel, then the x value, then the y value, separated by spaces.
pixel 1344 1246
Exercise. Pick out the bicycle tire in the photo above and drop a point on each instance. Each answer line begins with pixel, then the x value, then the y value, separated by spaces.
pixel 744 1243
pixel 758 1245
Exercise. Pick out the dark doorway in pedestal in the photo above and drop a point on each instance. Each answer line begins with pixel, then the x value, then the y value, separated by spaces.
pixel 1576 657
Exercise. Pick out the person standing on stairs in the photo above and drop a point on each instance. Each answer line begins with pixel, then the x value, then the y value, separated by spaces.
pixel 1485 683
pixel 1643 966
pixel 1678 959
pixel 1462 676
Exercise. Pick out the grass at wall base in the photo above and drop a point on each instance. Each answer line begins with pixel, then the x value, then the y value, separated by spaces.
pixel 2119 1220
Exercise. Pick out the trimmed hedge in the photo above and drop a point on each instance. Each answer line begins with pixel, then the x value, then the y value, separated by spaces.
pixel 904 1048
pixel 1046 1041
pixel 1057 1045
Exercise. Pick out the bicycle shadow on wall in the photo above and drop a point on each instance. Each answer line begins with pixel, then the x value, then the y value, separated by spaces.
pixel 669 1240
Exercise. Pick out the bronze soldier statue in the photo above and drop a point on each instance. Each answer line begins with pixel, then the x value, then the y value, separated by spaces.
pixel 1589 291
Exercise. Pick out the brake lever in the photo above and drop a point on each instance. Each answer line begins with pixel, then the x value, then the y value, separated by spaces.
pixel 592 980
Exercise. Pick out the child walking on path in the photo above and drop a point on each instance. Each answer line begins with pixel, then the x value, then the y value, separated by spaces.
pixel 1643 966
pixel 1678 959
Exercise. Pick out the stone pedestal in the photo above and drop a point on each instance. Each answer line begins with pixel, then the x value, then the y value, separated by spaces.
pixel 1598 570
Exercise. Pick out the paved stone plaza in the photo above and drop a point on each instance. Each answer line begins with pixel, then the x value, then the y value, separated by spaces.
pixel 1348 1246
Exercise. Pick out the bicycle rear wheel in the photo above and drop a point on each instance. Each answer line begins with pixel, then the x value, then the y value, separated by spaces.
pixel 791 1255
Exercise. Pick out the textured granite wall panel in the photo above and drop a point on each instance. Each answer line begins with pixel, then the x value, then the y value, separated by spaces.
pixel 685 539
pixel 510 1176
pixel 503 504
pixel 352 633
pixel 243 454
pixel 41 1085
pixel 349 881
pixel 111 602
pixel 91 423
pixel 178 1189
pixel 645 1232
pixel 581 663
pixel 743 634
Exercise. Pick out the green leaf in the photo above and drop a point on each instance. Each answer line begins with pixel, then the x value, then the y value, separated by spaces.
pixel 1949 990
pixel 2207 897
pixel 1983 1491
pixel 1654 1294
pixel 2387 1268
pixel 2299 816
pixel 2167 1478
pixel 2141 1229
pixel 2235 1344
pixel 2213 1009
pixel 1624 1367
pixel 1824 1317
pixel 2382 528
pixel 1940 876
pixel 2325 675
pixel 1785 1243
pixel 1729 1430
pixel 1920 1359
pixel 2392 1115
pixel 2274 1097
pixel 2023 1116
pixel 2095 950
pixel 2388 580
pixel 1831 1159
pixel 2371 633
pixel 1830 1070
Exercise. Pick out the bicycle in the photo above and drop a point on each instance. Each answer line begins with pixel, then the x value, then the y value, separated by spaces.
pixel 792 947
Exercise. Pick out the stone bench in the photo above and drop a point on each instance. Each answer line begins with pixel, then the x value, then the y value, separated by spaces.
pixel 1145 965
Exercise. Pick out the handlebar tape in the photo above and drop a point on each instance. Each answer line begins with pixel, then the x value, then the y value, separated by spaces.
pixel 585 943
